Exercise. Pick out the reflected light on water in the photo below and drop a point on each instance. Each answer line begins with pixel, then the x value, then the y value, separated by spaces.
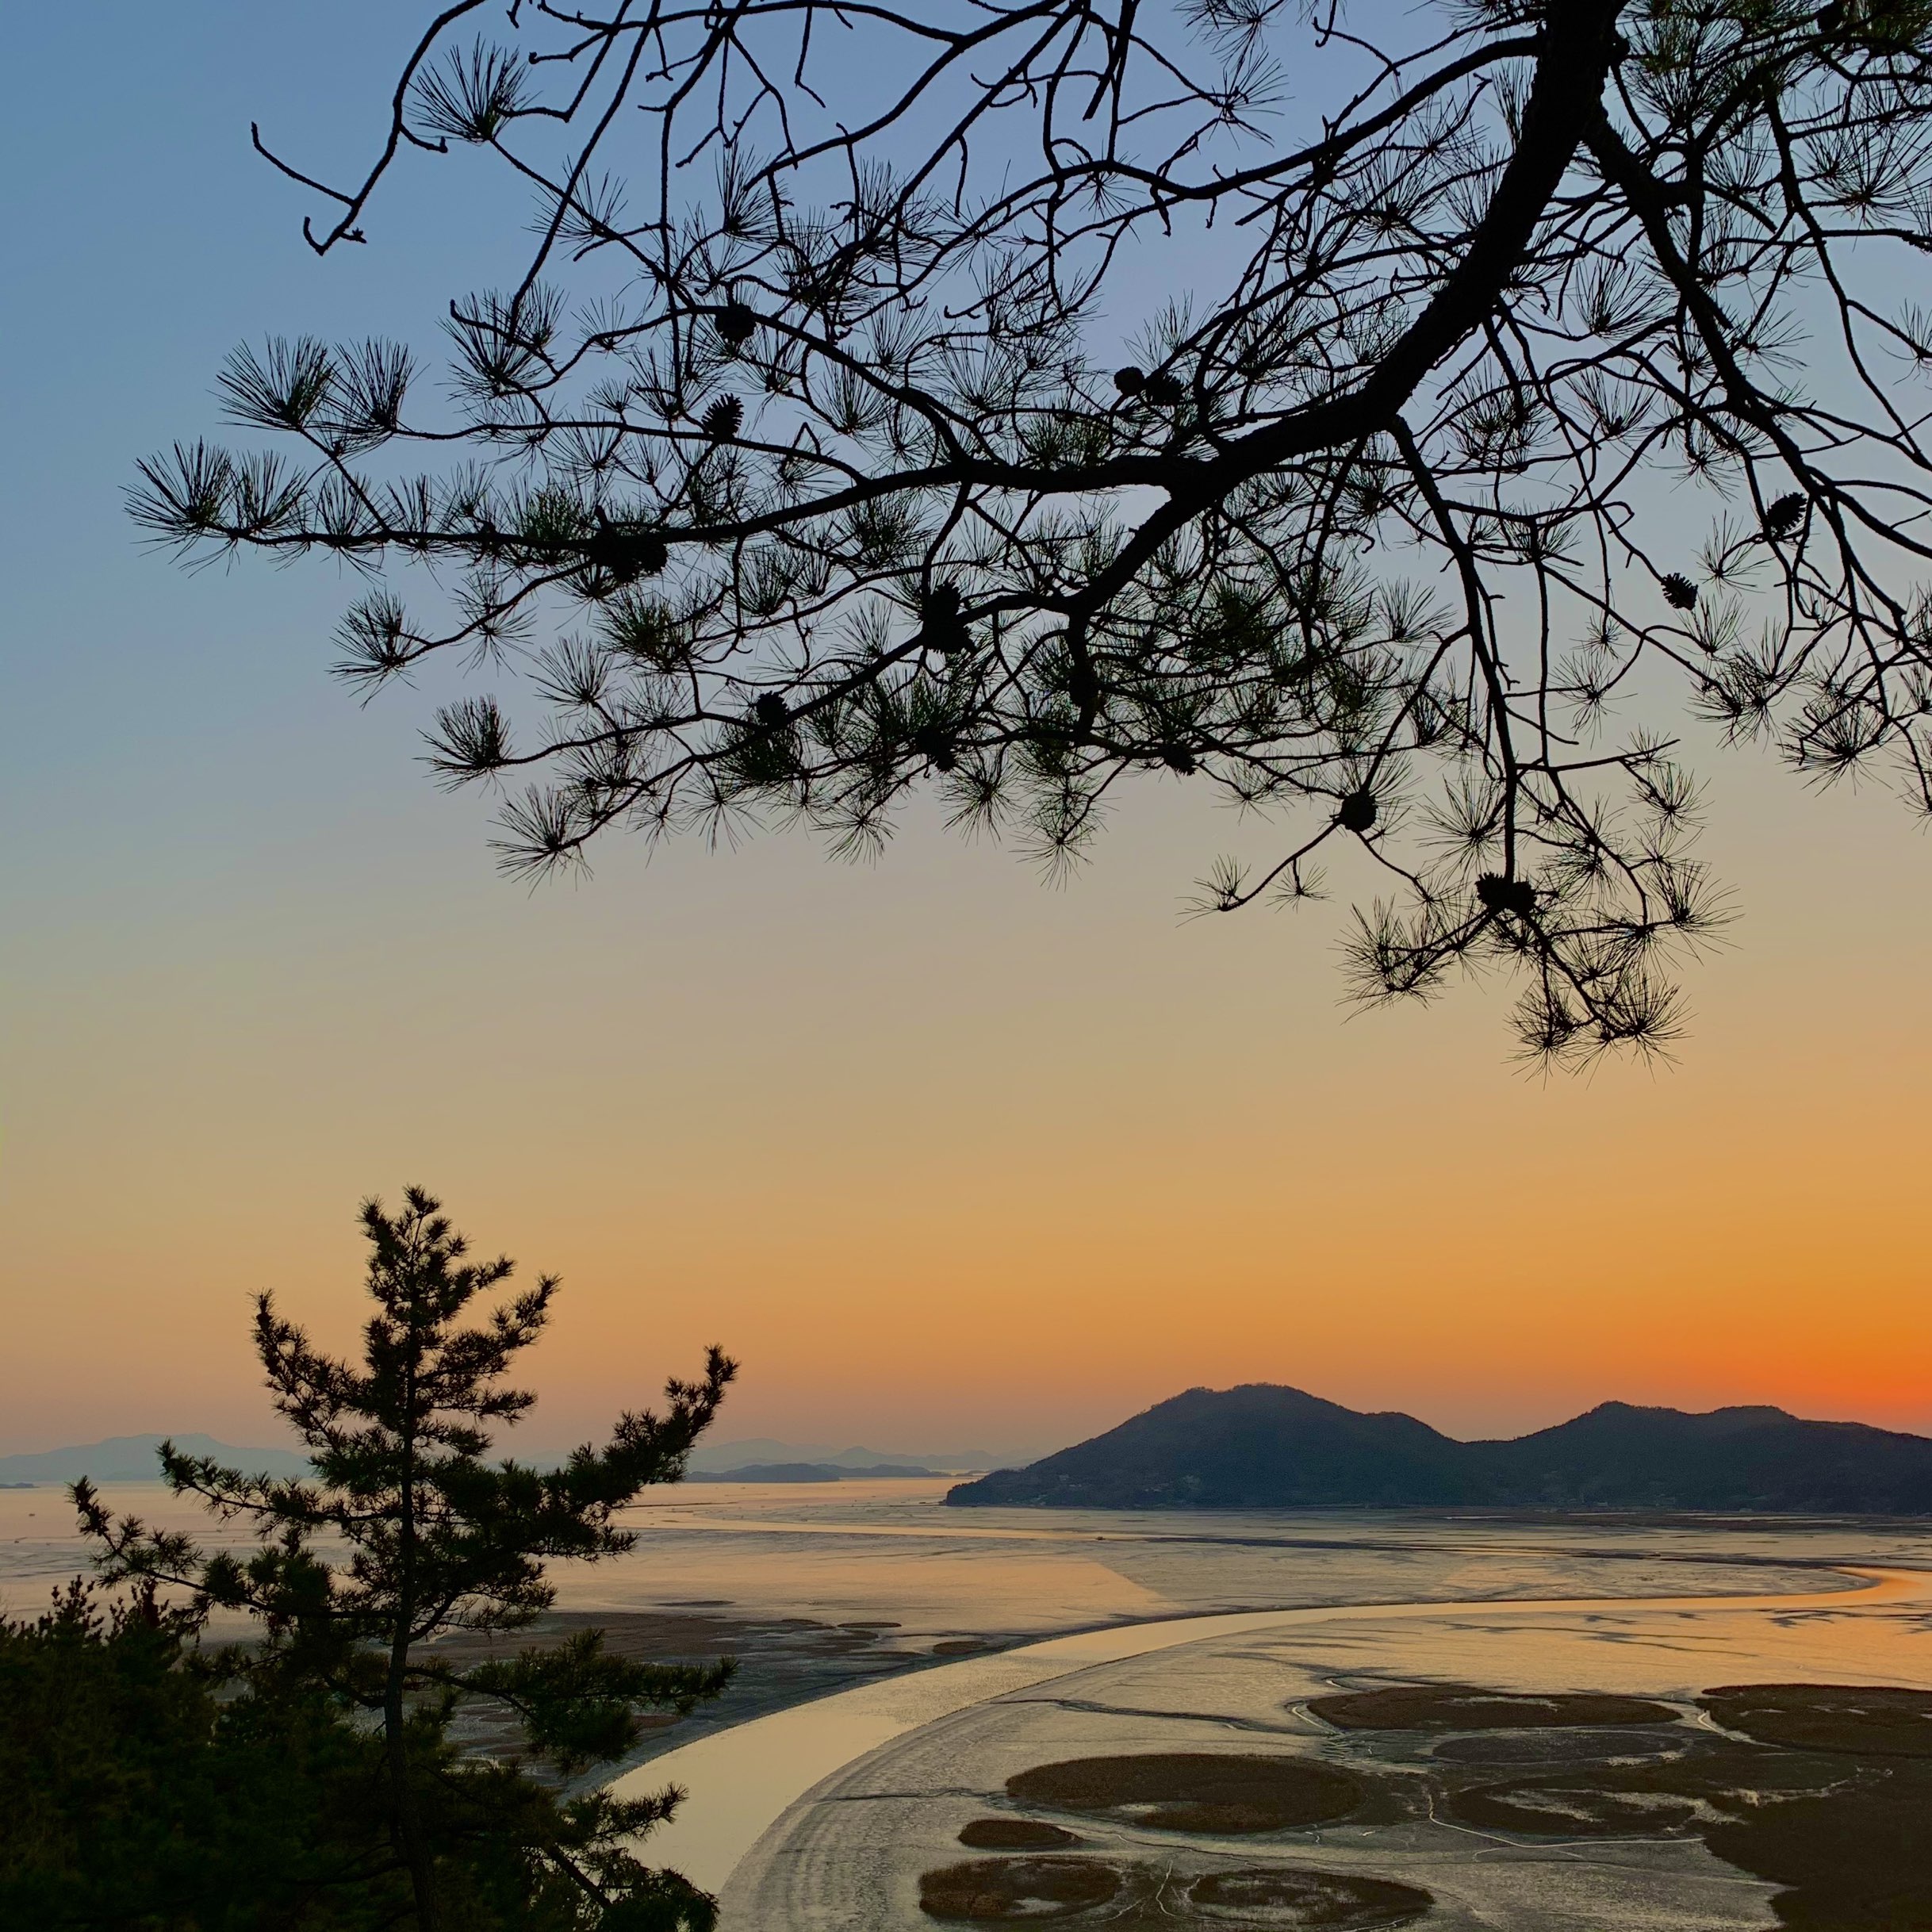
pixel 741 1782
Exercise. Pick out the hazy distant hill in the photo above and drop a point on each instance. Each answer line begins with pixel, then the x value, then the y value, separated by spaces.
pixel 131 1458
pixel 766 1450
pixel 809 1472
pixel 1262 1447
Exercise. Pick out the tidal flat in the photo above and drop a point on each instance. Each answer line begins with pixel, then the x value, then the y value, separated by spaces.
pixel 1498 1720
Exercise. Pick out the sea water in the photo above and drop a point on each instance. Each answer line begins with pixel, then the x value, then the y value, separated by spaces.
pixel 1134 1630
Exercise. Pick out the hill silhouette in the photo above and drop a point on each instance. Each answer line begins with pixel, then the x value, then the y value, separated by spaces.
pixel 1261 1446
pixel 132 1459
pixel 809 1472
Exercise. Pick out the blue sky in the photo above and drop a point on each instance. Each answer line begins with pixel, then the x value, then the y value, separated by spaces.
pixel 945 1155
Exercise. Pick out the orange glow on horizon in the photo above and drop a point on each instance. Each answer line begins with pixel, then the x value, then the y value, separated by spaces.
pixel 948 1160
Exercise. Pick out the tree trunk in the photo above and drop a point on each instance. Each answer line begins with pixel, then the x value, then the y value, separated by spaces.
pixel 408 1821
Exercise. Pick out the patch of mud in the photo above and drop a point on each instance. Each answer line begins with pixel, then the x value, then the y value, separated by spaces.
pixel 1136 1897
pixel 1563 1747
pixel 1467 1706
pixel 1856 1860
pixel 1014 1835
pixel 992 1891
pixel 1715 1780
pixel 1285 1895
pixel 1822 1789
pixel 1848 1837
pixel 1872 1720
pixel 1575 1809
pixel 1185 1791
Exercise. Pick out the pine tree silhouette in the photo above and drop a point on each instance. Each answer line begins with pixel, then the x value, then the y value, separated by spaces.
pixel 404 1533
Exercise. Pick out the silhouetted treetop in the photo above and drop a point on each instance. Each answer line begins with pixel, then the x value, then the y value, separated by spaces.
pixel 1399 418
pixel 402 1534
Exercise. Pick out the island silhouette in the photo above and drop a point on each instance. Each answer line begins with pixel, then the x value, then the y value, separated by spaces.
pixel 1264 1446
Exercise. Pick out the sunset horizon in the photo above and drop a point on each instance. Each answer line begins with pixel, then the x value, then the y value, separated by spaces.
pixel 959 967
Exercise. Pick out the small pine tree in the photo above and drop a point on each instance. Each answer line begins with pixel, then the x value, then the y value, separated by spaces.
pixel 434 1540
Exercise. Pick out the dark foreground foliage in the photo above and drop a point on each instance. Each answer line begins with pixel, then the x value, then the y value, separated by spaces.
pixel 133 1794
pixel 149 1787
pixel 308 1778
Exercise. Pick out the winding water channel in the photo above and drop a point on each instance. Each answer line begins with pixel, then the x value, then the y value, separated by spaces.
pixel 750 1788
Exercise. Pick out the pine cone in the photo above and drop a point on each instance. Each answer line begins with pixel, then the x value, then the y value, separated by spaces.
pixel 627 552
pixel 736 324
pixel 1680 592
pixel 1499 895
pixel 933 745
pixel 724 418
pixel 942 629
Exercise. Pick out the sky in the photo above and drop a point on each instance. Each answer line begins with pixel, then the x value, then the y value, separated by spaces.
pixel 944 1155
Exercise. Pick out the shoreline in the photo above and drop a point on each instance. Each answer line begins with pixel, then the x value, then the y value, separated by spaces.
pixel 791 1662
pixel 741 1782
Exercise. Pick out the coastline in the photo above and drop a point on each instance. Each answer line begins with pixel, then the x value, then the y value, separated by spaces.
pixel 741 1782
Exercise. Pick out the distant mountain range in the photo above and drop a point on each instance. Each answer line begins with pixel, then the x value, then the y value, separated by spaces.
pixel 765 1451
pixel 1265 1447
pixel 811 1472
pixel 132 1458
